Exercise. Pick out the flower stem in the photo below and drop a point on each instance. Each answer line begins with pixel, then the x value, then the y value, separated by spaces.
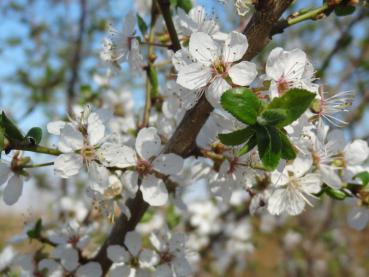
pixel 37 165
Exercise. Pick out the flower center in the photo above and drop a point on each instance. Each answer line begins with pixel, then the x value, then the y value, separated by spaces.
pixel 220 69
pixel 143 167
pixel 88 153
pixel 282 86
pixel 166 257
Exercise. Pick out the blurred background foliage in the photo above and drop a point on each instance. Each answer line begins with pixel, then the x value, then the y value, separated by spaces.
pixel 49 58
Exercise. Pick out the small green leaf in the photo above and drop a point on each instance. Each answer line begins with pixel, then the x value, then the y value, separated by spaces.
pixel 269 146
pixel 335 193
pixel 242 103
pixel 295 101
pixel 34 135
pixel 141 25
pixel 237 137
pixel 287 149
pixel 184 4
pixel 272 116
pixel 36 231
pixel 363 176
pixel 173 219
pixel 11 130
pixel 344 10
pixel 248 146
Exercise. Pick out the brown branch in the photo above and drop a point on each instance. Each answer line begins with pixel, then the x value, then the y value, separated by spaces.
pixel 183 140
pixel 75 64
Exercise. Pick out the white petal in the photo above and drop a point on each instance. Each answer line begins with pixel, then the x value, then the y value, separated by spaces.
pixel 95 128
pixel 197 14
pixel 274 69
pixel 294 61
pixel 118 270
pixel 4 172
pixel 148 143
pixel 311 183
pixel 168 163
pixel 148 258
pixel 194 76
pixel 203 48
pixel 133 242
pixel 163 270
pixel 330 177
pixel 70 139
pixel 130 182
pixel 117 254
pixel 68 256
pixel 154 191
pixel 118 156
pixel 49 265
pixel 99 174
pixel 243 73
pixel 182 267
pixel 91 269
pixel 356 152
pixel 215 91
pixel 358 218
pixel 285 200
pixel 55 127
pixel 235 47
pixel 182 58
pixel 13 190
pixel 67 165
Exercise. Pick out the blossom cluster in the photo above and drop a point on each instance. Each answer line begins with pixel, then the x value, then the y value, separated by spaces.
pixel 118 159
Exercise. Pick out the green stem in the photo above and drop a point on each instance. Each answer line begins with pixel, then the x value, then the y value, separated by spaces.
pixel 37 165
pixel 149 69
pixel 312 14
pixel 37 149
pixel 308 15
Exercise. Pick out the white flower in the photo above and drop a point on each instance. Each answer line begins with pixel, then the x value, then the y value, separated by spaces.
pixel 292 187
pixel 79 141
pixel 147 160
pixel 170 247
pixel 7 255
pixel 288 69
pixel 123 46
pixel 132 259
pixel 14 184
pixel 196 21
pixel 206 65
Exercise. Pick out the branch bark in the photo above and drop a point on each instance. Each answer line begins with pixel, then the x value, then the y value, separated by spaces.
pixel 183 141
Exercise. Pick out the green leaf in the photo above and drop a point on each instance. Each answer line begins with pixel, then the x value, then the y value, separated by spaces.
pixel 363 176
pixel 184 4
pixel 141 25
pixel 36 231
pixel 295 102
pixel 248 146
pixel 287 149
pixel 172 218
pixel 34 135
pixel 11 130
pixel 269 146
pixel 335 193
pixel 344 10
pixel 242 104
pixel 237 137
pixel 272 117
